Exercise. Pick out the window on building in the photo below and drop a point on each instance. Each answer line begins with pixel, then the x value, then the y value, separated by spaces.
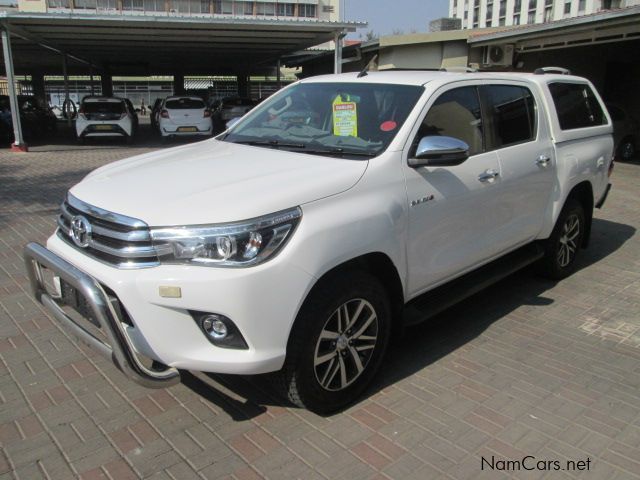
pixel 582 5
pixel 466 15
pixel 576 105
pixel 531 18
pixel 150 5
pixel 489 12
pixel 331 8
pixel 456 113
pixel 511 115
pixel 516 19
pixel 224 7
pixel 59 3
pixel 266 9
pixel 285 9
pixel 242 8
pixel 106 4
pixel 567 8
pixel 548 14
pixel 306 10
pixel 503 8
pixel 89 4
pixel 517 6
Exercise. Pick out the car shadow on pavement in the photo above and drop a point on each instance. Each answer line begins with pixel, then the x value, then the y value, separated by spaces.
pixel 244 397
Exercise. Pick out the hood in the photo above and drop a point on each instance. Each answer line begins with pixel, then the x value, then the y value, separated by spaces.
pixel 215 182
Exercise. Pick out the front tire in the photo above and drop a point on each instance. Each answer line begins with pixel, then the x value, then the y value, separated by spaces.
pixel 563 246
pixel 337 342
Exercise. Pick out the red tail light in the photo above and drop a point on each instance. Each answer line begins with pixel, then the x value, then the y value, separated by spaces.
pixel 164 114
pixel 207 114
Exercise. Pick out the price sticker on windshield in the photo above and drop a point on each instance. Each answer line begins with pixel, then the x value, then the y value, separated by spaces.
pixel 345 118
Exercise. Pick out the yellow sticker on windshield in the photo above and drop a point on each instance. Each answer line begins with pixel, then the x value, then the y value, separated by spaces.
pixel 345 118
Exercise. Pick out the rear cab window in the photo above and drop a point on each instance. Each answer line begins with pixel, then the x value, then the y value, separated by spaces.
pixel 576 106
pixel 510 112
pixel 103 106
pixel 184 104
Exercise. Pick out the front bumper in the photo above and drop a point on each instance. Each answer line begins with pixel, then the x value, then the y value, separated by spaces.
pixel 169 128
pixel 262 301
pixel 119 348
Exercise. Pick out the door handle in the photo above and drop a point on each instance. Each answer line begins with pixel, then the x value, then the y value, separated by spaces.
pixel 542 160
pixel 488 175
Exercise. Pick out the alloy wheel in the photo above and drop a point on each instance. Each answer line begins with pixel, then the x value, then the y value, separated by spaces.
pixel 568 240
pixel 346 344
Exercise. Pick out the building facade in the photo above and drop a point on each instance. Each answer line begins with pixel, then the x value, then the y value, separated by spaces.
pixel 325 10
pixel 493 13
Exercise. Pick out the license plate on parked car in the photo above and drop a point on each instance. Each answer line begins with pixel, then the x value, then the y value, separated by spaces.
pixel 187 129
pixel 104 127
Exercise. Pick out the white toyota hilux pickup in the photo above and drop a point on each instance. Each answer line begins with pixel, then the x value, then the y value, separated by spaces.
pixel 337 211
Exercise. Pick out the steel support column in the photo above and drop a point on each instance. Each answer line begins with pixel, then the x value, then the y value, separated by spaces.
pixel 67 101
pixel 37 84
pixel 337 63
pixel 279 74
pixel 18 144
pixel 178 84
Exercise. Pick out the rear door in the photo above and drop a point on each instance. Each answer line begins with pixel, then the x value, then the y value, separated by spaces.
pixel 519 134
pixel 454 212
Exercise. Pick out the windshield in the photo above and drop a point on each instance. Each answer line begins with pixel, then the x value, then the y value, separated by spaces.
pixel 184 104
pixel 357 119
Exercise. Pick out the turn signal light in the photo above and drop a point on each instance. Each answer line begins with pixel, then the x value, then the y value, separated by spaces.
pixel 164 114
pixel 207 114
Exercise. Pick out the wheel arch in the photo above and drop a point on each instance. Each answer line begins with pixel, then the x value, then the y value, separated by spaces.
pixel 383 269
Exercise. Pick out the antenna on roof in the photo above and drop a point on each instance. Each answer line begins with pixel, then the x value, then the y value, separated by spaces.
pixel 363 72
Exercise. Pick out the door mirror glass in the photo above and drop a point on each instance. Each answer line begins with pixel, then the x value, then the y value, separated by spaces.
pixel 439 151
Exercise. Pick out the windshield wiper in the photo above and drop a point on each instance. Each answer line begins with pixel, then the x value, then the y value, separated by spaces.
pixel 270 143
pixel 339 151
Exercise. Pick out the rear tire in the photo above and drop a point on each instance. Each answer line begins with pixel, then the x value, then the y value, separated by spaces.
pixel 563 246
pixel 337 343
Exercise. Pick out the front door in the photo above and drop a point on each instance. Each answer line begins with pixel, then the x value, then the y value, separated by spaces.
pixel 454 211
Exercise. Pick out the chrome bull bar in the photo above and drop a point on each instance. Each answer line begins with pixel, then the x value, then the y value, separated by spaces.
pixel 119 348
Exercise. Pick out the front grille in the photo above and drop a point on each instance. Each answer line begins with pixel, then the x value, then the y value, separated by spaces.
pixel 118 240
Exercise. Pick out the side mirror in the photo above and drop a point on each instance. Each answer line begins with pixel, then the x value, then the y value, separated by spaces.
pixel 232 122
pixel 439 151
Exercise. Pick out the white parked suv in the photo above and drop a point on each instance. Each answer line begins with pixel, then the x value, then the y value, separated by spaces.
pixel 105 117
pixel 184 116
pixel 337 211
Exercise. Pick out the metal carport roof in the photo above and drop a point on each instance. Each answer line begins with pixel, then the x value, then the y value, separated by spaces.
pixel 156 45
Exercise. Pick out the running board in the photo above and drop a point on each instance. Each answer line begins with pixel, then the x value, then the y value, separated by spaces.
pixel 439 299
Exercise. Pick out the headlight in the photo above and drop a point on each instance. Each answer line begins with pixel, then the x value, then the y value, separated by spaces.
pixel 239 244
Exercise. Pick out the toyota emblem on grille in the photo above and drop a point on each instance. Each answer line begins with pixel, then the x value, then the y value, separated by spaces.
pixel 80 231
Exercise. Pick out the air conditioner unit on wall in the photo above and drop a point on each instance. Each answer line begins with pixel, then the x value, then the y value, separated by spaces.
pixel 498 55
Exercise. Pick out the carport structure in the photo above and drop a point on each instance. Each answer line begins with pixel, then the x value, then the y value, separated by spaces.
pixel 87 44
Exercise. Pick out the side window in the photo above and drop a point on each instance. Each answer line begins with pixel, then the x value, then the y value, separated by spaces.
pixel 456 113
pixel 510 115
pixel 576 105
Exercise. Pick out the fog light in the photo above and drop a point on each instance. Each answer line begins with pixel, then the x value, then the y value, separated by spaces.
pixel 219 330
pixel 214 327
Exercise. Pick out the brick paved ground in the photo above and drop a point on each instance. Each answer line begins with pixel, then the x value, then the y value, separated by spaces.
pixel 528 367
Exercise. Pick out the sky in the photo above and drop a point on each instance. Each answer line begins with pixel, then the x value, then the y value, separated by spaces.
pixel 385 16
